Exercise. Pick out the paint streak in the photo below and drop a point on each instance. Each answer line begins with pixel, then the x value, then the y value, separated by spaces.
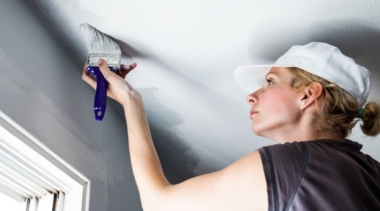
pixel 126 87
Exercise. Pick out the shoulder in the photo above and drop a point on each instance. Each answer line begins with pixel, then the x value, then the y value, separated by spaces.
pixel 284 167
pixel 248 175
pixel 239 186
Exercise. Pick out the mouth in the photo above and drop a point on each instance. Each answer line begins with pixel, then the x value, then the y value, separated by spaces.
pixel 252 113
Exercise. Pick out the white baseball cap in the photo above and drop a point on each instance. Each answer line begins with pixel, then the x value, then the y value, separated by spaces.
pixel 321 59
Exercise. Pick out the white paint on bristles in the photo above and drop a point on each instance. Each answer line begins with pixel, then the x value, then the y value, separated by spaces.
pixel 98 42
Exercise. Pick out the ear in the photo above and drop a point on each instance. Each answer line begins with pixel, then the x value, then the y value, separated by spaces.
pixel 310 94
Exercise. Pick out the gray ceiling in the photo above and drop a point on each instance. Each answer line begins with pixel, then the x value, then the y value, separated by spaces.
pixel 187 51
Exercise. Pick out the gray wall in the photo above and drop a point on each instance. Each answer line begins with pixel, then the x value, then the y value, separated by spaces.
pixel 187 52
pixel 41 89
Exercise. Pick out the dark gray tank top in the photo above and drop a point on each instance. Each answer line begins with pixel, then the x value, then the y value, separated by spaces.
pixel 321 175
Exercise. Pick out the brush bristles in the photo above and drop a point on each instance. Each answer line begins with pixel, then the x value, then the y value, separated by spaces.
pixel 97 42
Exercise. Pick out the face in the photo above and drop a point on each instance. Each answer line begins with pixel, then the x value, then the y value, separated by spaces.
pixel 276 105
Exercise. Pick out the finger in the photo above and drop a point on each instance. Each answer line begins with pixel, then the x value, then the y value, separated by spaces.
pixel 90 81
pixel 104 69
pixel 84 70
pixel 125 69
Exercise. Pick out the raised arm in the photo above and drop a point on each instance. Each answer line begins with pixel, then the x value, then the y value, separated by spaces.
pixel 240 186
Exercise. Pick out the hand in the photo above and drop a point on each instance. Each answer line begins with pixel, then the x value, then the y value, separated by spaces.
pixel 118 88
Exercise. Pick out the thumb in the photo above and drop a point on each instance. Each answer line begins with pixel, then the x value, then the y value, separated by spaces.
pixel 103 66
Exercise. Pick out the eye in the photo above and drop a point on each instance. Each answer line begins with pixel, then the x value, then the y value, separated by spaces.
pixel 270 82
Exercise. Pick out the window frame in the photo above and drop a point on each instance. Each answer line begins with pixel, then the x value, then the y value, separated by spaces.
pixel 34 144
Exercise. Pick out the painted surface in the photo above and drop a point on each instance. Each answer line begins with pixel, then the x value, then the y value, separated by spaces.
pixel 186 54
pixel 41 89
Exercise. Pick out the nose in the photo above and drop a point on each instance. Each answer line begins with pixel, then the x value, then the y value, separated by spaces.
pixel 252 98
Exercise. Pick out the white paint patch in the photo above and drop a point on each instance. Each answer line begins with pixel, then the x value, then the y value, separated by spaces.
pixel 131 92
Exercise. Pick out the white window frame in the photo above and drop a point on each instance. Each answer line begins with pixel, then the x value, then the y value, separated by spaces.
pixel 61 169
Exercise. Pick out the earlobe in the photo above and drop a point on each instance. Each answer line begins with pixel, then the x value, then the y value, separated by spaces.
pixel 304 101
pixel 304 104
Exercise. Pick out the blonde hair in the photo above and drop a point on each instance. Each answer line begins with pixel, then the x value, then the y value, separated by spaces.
pixel 339 110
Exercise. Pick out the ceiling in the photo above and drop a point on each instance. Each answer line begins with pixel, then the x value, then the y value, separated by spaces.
pixel 187 51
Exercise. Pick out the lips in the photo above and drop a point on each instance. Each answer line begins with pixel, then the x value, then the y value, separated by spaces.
pixel 253 113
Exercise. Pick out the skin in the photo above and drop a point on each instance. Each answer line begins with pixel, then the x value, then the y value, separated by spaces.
pixel 278 112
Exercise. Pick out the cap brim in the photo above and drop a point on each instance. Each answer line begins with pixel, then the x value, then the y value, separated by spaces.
pixel 251 78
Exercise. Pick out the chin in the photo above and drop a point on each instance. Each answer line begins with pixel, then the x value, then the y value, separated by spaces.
pixel 259 131
pixel 256 130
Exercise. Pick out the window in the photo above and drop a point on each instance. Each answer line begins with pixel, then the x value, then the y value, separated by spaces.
pixel 33 178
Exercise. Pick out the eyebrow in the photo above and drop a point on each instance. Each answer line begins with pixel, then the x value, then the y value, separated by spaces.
pixel 270 74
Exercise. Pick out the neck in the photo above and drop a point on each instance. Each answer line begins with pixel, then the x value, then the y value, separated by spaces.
pixel 305 130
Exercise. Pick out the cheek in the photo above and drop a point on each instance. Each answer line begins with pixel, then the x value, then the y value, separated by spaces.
pixel 279 103
pixel 278 108
pixel 274 100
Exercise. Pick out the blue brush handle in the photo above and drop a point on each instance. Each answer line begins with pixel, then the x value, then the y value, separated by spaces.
pixel 100 101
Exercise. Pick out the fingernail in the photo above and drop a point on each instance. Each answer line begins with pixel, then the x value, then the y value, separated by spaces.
pixel 101 62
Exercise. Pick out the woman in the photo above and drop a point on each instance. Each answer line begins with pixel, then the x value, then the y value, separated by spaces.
pixel 308 102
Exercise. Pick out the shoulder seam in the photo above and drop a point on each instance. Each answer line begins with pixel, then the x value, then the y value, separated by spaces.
pixel 300 175
pixel 272 178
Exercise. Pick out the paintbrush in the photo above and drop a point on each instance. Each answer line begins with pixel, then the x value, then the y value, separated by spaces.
pixel 100 45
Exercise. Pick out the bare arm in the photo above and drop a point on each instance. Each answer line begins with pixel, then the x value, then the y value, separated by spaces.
pixel 240 186
pixel 146 165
